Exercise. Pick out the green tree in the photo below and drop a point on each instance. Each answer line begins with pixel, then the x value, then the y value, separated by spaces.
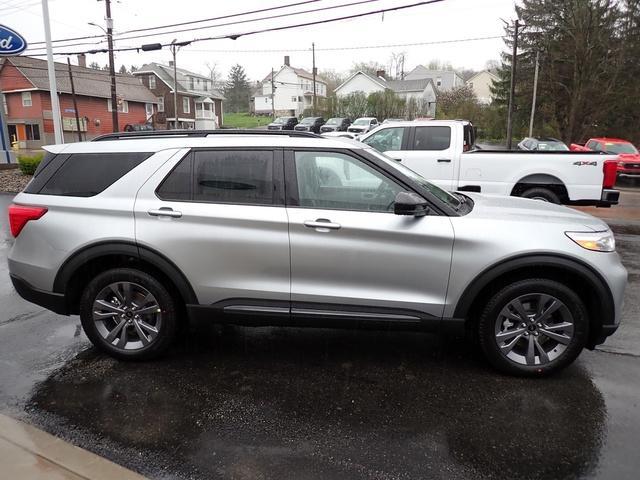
pixel 237 90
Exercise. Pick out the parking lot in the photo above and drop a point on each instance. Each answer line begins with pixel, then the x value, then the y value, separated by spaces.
pixel 315 404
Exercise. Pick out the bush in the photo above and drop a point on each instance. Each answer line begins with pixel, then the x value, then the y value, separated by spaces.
pixel 29 163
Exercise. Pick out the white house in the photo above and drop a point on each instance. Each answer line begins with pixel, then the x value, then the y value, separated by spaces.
pixel 481 84
pixel 292 91
pixel 443 80
pixel 422 90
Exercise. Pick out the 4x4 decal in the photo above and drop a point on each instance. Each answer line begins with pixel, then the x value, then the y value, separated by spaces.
pixel 580 163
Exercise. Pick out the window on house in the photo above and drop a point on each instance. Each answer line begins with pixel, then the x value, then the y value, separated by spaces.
pixel 152 81
pixel 33 131
pixel 123 106
pixel 439 82
pixel 299 99
pixel 294 99
pixel 160 104
pixel 26 99
pixel 191 83
pixel 186 107
pixel 148 108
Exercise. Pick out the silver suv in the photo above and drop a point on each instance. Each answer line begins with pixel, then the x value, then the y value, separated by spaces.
pixel 141 232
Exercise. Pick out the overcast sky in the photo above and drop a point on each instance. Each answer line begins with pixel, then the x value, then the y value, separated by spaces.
pixel 438 22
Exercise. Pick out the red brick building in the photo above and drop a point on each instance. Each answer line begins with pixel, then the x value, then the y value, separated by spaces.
pixel 24 84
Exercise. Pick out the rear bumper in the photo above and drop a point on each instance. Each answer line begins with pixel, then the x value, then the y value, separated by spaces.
pixel 608 197
pixel 56 302
pixel 629 173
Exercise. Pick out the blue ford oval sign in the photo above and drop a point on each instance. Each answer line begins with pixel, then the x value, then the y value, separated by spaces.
pixel 11 42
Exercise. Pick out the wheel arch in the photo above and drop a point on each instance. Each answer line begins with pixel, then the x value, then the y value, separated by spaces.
pixel 583 279
pixel 93 259
pixel 542 180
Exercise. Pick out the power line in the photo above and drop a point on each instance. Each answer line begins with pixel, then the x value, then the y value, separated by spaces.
pixel 360 47
pixel 183 23
pixel 235 36
pixel 238 22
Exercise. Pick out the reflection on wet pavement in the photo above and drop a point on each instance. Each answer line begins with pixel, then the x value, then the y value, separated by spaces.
pixel 295 403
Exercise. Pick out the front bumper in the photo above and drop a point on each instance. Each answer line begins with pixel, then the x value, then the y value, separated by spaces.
pixel 56 302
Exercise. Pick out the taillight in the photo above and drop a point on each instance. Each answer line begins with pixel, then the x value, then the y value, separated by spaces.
pixel 19 215
pixel 610 169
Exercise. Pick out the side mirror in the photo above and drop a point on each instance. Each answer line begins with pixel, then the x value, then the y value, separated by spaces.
pixel 409 203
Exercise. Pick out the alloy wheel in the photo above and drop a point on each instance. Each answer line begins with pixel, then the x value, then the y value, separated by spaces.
pixel 534 329
pixel 127 315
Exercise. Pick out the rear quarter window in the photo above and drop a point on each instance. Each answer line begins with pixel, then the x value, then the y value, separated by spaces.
pixel 84 174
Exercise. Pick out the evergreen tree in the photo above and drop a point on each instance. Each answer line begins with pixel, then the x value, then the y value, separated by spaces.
pixel 123 69
pixel 237 91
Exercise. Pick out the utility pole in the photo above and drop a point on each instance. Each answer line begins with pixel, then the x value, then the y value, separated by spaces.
pixel 273 97
pixel 112 68
pixel 75 103
pixel 512 86
pixel 313 53
pixel 53 89
pixel 174 49
pixel 535 93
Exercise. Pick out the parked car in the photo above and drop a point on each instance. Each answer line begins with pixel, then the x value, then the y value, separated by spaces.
pixel 138 127
pixel 363 125
pixel 336 125
pixel 310 124
pixel 197 226
pixel 628 156
pixel 283 123
pixel 443 152
pixel 542 144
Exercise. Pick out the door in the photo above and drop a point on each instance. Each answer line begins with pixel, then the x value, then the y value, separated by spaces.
pixel 219 216
pixel 432 154
pixel 349 252
pixel 391 141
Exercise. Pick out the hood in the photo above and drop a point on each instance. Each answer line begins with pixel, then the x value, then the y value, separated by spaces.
pixel 629 157
pixel 499 207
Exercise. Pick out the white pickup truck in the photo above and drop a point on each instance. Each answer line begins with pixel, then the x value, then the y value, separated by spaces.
pixel 444 152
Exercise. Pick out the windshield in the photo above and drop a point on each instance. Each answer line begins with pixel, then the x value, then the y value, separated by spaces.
pixel 552 146
pixel 619 148
pixel 333 121
pixel 280 120
pixel 438 192
pixel 362 121
pixel 308 120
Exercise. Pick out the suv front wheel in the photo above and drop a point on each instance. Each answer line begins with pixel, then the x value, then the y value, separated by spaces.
pixel 128 314
pixel 533 327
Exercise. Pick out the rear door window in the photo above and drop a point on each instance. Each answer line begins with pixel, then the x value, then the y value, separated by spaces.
pixel 85 174
pixel 432 138
pixel 222 176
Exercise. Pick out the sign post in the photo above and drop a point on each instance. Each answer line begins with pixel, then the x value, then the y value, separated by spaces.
pixel 11 43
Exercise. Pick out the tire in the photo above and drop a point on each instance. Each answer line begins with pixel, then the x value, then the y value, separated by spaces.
pixel 123 324
pixel 500 324
pixel 541 193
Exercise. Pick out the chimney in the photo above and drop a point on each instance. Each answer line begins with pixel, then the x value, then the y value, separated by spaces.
pixel 171 63
pixel 381 74
pixel 82 60
pixel 286 60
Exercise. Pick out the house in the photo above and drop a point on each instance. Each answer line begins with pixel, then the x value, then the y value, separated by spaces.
pixel 292 91
pixel 199 102
pixel 481 84
pixel 422 91
pixel 24 83
pixel 444 80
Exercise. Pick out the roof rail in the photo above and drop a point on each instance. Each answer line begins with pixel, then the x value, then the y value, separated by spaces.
pixel 199 133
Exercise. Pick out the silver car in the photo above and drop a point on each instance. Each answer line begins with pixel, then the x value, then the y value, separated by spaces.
pixel 138 233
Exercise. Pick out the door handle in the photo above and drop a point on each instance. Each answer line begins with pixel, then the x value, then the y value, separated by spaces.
pixel 165 212
pixel 322 225
pixel 444 160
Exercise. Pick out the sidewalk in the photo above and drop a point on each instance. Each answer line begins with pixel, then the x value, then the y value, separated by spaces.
pixel 29 453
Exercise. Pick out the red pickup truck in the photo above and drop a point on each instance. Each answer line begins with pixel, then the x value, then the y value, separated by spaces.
pixel 628 156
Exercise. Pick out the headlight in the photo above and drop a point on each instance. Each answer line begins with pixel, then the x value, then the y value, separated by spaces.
pixel 596 241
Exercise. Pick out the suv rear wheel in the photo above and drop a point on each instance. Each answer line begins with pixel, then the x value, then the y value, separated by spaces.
pixel 543 194
pixel 533 327
pixel 128 314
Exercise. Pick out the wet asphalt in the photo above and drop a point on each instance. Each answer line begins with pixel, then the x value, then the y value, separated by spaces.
pixel 286 403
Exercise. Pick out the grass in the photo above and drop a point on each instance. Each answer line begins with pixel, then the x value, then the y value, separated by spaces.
pixel 243 120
